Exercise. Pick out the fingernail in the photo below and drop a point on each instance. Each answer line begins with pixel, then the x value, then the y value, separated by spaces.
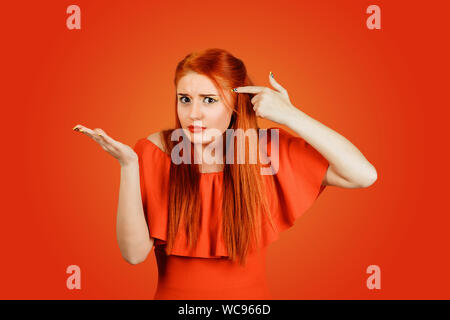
pixel 271 74
pixel 99 134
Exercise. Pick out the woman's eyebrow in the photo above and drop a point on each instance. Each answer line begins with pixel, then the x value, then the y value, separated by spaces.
pixel 201 95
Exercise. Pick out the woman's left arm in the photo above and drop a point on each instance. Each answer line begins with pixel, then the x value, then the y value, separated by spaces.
pixel 348 166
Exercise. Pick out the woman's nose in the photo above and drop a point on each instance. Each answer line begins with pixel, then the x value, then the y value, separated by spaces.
pixel 195 111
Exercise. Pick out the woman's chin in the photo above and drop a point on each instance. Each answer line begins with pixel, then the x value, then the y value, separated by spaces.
pixel 199 139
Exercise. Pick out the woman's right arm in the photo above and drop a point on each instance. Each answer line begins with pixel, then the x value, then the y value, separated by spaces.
pixel 133 237
pixel 132 232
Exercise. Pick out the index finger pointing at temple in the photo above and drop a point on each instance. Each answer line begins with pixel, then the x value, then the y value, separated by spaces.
pixel 249 89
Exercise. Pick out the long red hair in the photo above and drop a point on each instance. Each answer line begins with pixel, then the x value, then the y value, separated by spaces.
pixel 244 197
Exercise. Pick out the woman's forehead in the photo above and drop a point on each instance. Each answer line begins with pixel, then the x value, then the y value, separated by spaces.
pixel 196 84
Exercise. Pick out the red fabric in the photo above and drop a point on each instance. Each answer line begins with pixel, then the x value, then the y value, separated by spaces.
pixel 204 272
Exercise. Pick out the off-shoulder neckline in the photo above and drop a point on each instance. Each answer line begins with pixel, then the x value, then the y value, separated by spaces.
pixel 165 154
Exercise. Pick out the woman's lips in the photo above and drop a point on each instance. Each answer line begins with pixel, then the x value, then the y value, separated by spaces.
pixel 195 129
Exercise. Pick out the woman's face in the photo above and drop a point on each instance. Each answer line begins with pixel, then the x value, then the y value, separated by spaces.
pixel 199 102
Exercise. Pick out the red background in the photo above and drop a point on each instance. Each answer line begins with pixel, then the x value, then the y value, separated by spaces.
pixel 384 90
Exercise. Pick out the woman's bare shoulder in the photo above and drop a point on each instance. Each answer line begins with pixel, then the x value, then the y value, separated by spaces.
pixel 156 138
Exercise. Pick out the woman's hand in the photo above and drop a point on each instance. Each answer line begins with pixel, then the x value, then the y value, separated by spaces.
pixel 118 150
pixel 270 104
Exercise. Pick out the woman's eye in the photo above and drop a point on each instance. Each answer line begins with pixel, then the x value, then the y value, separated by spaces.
pixel 212 100
pixel 181 99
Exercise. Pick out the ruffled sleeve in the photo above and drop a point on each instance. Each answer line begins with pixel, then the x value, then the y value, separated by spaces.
pixel 298 181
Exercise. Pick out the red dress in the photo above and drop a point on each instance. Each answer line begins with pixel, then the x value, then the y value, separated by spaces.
pixel 204 272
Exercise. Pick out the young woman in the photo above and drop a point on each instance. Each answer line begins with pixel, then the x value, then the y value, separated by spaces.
pixel 210 222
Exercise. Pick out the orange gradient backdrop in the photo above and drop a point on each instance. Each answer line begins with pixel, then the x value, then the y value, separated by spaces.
pixel 381 89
